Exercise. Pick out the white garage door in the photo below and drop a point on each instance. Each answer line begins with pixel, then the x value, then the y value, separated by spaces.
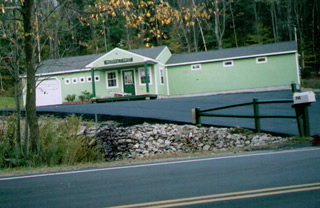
pixel 48 92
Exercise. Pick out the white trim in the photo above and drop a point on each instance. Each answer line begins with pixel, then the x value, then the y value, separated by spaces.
pixel 161 69
pixel 298 69
pixel 84 80
pixel 107 80
pixel 150 76
pixel 263 60
pixel 163 52
pixel 226 65
pixel 97 78
pixel 134 79
pixel 121 50
pixel 168 90
pixel 67 79
pixel 63 72
pixel 89 79
pixel 155 79
pixel 196 67
pixel 74 80
pixel 231 58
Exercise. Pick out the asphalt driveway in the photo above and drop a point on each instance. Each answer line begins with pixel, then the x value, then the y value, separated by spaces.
pixel 178 110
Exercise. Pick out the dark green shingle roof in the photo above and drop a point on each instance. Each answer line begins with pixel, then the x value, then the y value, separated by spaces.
pixel 232 53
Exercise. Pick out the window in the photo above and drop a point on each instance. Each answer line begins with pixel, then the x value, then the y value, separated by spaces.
pixel 161 76
pixel 261 60
pixel 142 76
pixel 97 78
pixel 67 81
pixel 227 63
pixel 89 78
pixel 75 80
pixel 82 80
pixel 112 79
pixel 196 67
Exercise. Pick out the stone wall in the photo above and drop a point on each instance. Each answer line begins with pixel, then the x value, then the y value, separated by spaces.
pixel 148 140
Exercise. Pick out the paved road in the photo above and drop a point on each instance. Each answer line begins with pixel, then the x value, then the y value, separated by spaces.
pixel 179 110
pixel 270 179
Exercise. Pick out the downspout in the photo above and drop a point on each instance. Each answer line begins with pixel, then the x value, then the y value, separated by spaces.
pixel 146 72
pixel 93 83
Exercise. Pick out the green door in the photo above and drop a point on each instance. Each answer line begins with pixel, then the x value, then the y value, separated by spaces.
pixel 128 82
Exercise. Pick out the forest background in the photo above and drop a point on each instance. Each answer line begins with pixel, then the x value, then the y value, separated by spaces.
pixel 81 27
pixel 35 30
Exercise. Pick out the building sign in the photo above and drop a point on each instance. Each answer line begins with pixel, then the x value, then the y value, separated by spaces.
pixel 116 61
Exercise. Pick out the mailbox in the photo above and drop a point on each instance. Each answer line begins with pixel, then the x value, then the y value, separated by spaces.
pixel 304 97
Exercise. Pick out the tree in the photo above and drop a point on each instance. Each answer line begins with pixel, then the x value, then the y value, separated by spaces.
pixel 27 8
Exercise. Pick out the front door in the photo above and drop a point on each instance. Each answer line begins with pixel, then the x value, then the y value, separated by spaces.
pixel 128 82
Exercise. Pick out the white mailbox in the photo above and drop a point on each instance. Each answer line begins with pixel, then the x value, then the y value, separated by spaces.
pixel 304 97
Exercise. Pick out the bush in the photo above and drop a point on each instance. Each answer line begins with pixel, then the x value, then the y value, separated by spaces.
pixel 85 95
pixel 70 98
pixel 59 144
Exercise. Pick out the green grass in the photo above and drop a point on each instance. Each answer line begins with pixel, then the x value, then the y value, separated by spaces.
pixel 7 102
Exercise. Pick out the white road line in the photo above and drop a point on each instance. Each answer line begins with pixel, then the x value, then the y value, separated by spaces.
pixel 156 164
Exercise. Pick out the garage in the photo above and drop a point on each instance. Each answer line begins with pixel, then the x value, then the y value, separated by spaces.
pixel 48 92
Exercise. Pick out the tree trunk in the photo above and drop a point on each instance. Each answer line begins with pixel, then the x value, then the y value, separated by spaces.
pixel 219 26
pixel 256 21
pixel 16 85
pixel 234 25
pixel 27 9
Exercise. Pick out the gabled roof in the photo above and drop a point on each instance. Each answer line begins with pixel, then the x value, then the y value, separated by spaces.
pixel 149 52
pixel 233 53
pixel 79 63
pixel 66 64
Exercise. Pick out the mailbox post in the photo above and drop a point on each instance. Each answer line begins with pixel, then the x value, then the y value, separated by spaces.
pixel 301 102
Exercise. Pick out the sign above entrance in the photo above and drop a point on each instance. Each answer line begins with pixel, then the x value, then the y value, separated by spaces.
pixel 115 61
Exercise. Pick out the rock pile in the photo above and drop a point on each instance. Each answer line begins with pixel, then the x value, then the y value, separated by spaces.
pixel 148 140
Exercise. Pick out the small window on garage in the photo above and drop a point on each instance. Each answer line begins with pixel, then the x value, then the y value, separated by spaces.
pixel 97 78
pixel 161 76
pixel 227 63
pixel 89 78
pixel 261 60
pixel 67 81
pixel 82 80
pixel 75 80
pixel 196 67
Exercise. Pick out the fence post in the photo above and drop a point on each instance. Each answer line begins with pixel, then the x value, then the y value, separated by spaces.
pixel 195 117
pixel 256 115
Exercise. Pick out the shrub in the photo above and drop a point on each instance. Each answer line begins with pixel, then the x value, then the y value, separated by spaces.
pixel 59 144
pixel 70 98
pixel 85 95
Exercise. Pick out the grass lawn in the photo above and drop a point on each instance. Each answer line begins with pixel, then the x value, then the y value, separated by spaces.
pixel 7 102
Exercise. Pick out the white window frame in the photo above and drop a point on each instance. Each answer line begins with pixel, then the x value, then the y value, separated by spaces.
pixel 225 63
pixel 96 78
pixel 74 80
pixel 262 62
pixel 196 67
pixel 161 72
pixel 67 81
pixel 82 80
pixel 107 80
pixel 150 76
pixel 89 79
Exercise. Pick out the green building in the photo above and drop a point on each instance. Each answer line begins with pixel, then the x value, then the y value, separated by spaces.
pixel 156 71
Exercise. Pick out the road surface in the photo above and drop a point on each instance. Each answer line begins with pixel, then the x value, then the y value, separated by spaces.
pixel 262 179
